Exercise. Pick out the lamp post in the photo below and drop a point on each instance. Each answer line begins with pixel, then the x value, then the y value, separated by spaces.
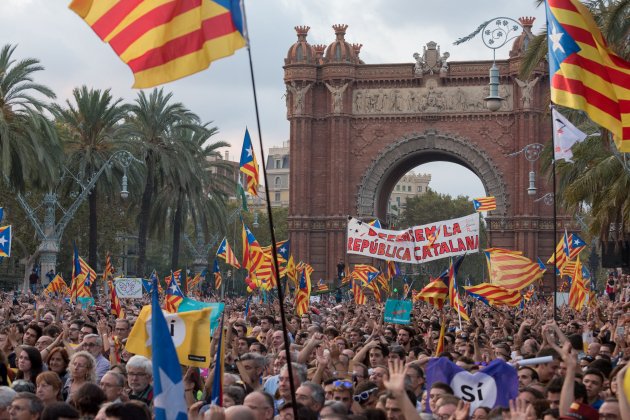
pixel 495 33
pixel 532 154
pixel 49 232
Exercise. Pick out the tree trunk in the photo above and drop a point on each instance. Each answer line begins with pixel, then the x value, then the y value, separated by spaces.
pixel 143 225
pixel 28 268
pixel 177 228
pixel 93 234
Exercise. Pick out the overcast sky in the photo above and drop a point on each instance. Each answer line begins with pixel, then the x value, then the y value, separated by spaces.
pixel 390 31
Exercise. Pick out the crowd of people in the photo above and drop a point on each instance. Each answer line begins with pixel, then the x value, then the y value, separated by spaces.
pixel 62 361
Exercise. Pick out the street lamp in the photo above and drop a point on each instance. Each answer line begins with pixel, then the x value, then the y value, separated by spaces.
pixel 532 154
pixel 49 232
pixel 495 33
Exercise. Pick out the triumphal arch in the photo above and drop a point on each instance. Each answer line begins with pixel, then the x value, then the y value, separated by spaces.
pixel 356 128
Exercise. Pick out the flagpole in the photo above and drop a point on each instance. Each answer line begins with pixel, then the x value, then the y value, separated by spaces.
pixel 555 222
pixel 274 252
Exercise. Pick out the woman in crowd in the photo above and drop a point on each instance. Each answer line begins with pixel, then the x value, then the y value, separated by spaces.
pixel 58 361
pixel 48 387
pixel 82 369
pixel 29 363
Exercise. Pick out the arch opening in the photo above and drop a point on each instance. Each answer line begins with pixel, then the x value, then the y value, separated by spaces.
pixel 400 157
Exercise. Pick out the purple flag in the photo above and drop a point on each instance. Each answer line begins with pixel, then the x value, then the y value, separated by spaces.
pixel 494 385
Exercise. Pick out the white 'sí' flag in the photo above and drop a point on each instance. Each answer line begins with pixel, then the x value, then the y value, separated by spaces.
pixel 565 135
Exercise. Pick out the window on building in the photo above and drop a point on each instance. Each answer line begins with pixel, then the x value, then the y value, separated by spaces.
pixel 397 187
pixel 278 181
pixel 277 197
pixel 278 164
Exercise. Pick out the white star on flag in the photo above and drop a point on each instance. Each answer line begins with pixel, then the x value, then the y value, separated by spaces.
pixel 174 406
pixel 3 240
pixel 174 288
pixel 249 151
pixel 555 37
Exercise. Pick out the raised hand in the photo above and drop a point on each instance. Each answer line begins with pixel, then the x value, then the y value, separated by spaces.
pixel 461 413
pixel 396 381
pixel 518 409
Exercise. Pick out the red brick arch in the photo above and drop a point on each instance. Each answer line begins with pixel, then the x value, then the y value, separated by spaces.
pixel 356 128
pixel 405 154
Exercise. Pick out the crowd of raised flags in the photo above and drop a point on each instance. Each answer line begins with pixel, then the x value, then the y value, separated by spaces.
pixel 179 41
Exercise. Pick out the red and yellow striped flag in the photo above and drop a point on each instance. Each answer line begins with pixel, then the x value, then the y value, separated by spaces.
pixel 162 41
pixel 440 345
pixel 58 286
pixel 357 292
pixel 494 295
pixel 108 273
pixel 116 309
pixel 512 270
pixel 434 294
pixel 585 74
pixel 577 294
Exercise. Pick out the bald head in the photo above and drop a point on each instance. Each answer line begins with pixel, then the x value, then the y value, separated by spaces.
pixel 239 412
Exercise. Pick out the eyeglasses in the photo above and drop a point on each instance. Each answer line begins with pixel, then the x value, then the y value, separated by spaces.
pixel 364 395
pixel 136 374
pixel 343 384
pixel 90 345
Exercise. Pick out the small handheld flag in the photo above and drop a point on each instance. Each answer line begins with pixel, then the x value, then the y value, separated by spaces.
pixel 485 204
pixel 5 241
pixel 249 165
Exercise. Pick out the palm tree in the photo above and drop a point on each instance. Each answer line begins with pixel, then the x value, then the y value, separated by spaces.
pixel 153 125
pixel 201 196
pixel 92 132
pixel 29 143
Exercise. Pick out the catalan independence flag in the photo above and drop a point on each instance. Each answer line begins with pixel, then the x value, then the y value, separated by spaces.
pixel 57 286
pixel 585 74
pixel 224 251
pixel 511 270
pixel 174 297
pixel 491 294
pixel 485 204
pixel 434 294
pixel 216 271
pixel 81 273
pixel 165 40
pixel 249 165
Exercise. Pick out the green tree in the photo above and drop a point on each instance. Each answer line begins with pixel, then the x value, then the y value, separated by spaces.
pixel 92 132
pixel 432 207
pixel 197 195
pixel 29 143
pixel 153 125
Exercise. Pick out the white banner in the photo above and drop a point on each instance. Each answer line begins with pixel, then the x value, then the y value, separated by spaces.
pixel 415 245
pixel 128 287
